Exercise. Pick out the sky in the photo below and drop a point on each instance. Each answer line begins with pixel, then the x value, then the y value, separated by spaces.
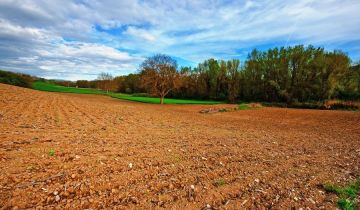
pixel 78 39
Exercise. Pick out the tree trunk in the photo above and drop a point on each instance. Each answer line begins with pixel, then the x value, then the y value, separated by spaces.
pixel 162 100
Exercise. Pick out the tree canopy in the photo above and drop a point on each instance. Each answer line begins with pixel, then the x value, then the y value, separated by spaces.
pixel 286 74
pixel 159 75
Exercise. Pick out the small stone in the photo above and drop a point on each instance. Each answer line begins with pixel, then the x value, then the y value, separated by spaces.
pixel 57 198
pixel 73 176
pixel 191 193
pixel 66 194
pixel 14 179
pixel 243 203
pixel 77 157
pixel 312 201
pixel 257 180
pixel 56 192
pixel 130 165
pixel 71 190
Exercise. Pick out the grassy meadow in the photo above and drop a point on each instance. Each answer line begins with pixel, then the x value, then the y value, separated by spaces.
pixel 44 86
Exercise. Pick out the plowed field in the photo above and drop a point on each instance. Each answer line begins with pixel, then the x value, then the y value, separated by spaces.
pixel 85 151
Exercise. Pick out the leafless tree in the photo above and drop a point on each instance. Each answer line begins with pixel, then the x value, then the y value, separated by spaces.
pixel 159 75
pixel 105 81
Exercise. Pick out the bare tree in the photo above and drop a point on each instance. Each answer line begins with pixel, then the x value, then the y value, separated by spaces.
pixel 105 81
pixel 159 75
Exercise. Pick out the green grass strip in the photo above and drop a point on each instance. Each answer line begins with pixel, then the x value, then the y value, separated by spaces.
pixel 44 86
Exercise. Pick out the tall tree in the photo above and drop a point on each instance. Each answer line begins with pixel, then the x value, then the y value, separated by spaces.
pixel 233 79
pixel 222 83
pixel 213 73
pixel 159 75
pixel 105 81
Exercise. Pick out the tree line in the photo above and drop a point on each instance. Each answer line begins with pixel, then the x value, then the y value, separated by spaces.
pixel 291 74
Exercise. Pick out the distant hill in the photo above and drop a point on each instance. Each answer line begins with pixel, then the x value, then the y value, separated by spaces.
pixel 18 79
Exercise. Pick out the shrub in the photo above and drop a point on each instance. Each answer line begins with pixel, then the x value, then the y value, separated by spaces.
pixel 337 104
pixel 243 107
pixel 306 105
pixel 274 104
pixel 254 105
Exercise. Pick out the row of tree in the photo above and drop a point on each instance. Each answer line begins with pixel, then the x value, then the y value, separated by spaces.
pixel 292 74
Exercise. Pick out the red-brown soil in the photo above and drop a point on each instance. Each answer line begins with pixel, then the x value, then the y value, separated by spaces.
pixel 250 159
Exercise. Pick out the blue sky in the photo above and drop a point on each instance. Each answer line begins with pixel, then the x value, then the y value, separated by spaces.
pixel 78 39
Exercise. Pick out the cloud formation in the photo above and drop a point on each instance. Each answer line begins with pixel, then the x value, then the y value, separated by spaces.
pixel 80 38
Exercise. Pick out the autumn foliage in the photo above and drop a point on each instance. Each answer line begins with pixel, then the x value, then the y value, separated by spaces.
pixel 159 75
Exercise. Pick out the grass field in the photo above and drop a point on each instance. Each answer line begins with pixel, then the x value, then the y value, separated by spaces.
pixel 154 100
pixel 57 88
pixel 44 86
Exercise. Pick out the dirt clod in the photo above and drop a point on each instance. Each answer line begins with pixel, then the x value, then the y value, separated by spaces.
pixel 57 198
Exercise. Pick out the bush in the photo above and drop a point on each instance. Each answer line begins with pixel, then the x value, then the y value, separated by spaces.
pixel 306 105
pixel 255 105
pixel 348 95
pixel 274 104
pixel 299 105
pixel 337 104
pixel 128 90
pixel 329 104
pixel 16 79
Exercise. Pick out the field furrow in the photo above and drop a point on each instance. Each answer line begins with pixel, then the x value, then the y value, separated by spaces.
pixel 85 151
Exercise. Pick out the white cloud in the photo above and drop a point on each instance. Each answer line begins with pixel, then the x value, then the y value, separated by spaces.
pixel 59 38
pixel 52 57
pixel 9 30
pixel 81 60
pixel 80 50
pixel 136 32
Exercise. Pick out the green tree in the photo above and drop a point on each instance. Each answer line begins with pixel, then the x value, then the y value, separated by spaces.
pixel 233 79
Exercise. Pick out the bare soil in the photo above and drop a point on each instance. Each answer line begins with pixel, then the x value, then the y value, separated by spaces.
pixel 113 154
